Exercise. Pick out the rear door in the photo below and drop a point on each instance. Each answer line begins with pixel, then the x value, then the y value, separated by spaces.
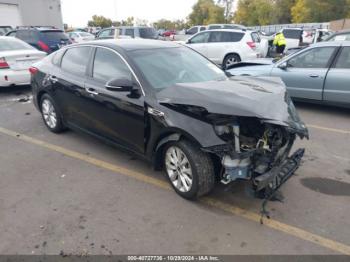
pixel 337 86
pixel 68 85
pixel 199 43
pixel 306 72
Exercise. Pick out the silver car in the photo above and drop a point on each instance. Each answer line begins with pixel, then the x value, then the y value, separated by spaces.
pixel 319 73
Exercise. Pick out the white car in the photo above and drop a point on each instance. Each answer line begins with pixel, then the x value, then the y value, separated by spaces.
pixel 293 36
pixel 16 57
pixel 79 37
pixel 226 47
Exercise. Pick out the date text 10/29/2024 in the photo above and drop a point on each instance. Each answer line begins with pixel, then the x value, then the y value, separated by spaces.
pixel 173 258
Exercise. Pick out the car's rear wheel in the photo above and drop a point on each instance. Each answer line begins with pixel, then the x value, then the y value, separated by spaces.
pixel 50 114
pixel 190 170
pixel 230 60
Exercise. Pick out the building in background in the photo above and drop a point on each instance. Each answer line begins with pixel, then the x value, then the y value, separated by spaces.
pixel 31 13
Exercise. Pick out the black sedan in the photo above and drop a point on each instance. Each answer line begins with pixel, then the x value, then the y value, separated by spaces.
pixel 170 105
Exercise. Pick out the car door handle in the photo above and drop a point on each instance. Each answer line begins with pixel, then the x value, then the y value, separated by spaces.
pixel 314 76
pixel 53 79
pixel 91 91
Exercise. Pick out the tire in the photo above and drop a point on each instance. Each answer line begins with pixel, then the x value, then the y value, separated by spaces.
pixel 200 165
pixel 50 114
pixel 230 59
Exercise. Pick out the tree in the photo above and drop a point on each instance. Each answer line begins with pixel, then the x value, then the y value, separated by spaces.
pixel 307 11
pixel 283 11
pixel 255 12
pixel 168 24
pixel 228 5
pixel 206 12
pixel 100 21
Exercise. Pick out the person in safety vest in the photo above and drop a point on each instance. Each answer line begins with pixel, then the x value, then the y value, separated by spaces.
pixel 280 43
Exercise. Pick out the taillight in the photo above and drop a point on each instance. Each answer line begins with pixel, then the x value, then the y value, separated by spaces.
pixel 3 63
pixel 33 70
pixel 252 45
pixel 44 46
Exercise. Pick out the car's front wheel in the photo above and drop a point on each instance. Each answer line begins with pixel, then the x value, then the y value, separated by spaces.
pixel 50 114
pixel 190 170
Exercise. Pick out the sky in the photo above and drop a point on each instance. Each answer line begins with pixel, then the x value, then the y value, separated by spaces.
pixel 76 13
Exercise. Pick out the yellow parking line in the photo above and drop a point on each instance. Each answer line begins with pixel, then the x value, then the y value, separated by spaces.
pixel 341 131
pixel 274 224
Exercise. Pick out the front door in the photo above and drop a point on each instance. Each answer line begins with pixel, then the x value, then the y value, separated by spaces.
pixel 306 72
pixel 114 115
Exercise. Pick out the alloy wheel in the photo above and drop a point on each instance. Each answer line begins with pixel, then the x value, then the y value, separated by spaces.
pixel 49 113
pixel 178 169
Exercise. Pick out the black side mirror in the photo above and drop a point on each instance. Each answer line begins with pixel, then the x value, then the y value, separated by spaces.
pixel 120 85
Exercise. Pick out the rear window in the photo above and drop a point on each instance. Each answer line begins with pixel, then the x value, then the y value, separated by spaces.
pixel 54 35
pixel 293 34
pixel 149 33
pixel 28 36
pixel 13 44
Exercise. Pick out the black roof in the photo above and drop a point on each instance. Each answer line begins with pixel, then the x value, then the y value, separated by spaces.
pixel 133 44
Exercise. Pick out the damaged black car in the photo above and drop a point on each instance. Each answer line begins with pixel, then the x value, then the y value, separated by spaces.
pixel 171 106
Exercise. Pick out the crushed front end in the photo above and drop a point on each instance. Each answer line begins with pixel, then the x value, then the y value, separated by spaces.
pixel 258 151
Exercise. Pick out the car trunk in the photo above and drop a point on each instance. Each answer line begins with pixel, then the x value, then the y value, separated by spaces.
pixel 22 59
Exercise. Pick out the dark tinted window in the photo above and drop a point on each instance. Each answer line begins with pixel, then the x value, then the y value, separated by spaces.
pixel 108 65
pixel 29 36
pixel 314 58
pixel 192 31
pixel 203 28
pixel 344 58
pixel 53 35
pixel 130 32
pixel 148 33
pixel 75 60
pixel 225 37
pixel 294 34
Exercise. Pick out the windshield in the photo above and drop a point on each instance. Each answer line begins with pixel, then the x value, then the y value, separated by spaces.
pixel 13 44
pixel 166 67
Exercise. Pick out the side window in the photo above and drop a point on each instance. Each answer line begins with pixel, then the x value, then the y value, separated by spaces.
pixel 130 32
pixel 342 37
pixel 108 65
pixel 256 38
pixel 200 38
pixel 75 60
pixel 104 33
pixel 314 58
pixel 215 37
pixel 192 31
pixel 203 28
pixel 344 59
pixel 231 37
pixel 57 57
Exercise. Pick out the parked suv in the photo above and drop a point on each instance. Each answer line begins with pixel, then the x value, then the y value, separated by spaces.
pixel 225 46
pixel 128 32
pixel 42 38
pixel 196 29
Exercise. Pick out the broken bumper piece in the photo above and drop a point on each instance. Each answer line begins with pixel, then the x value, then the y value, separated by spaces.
pixel 276 177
